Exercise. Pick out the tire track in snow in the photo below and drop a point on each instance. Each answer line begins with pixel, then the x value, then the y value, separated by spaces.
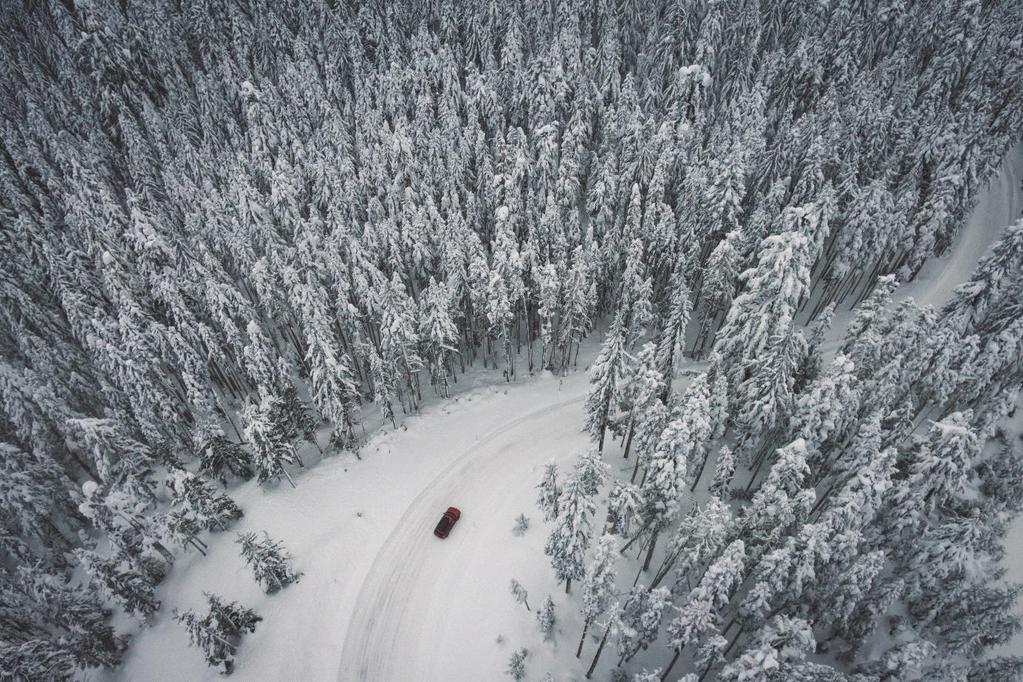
pixel 397 589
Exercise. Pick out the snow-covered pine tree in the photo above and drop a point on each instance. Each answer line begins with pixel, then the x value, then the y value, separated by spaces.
pixel 520 594
pixel 385 392
pixel 219 632
pixel 590 472
pixel 439 333
pixel 606 380
pixel 636 290
pixel 639 620
pixel 698 618
pixel 50 622
pixel 517 664
pixel 120 583
pixel 697 412
pixel 567 543
pixel 550 491
pixel 671 341
pixel 755 346
pixel 642 390
pixel 598 585
pixel 719 414
pixel 270 563
pixel 828 407
pixel 578 307
pixel 213 510
pixel 36 496
pixel 724 469
pixel 624 504
pixel 699 538
pixel 719 282
pixel 545 616
pixel 271 448
pixel 938 472
pixel 219 456
pixel 779 644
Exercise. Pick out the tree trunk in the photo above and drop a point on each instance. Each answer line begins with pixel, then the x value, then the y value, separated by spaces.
pixel 674 659
pixel 628 440
pixel 582 640
pixel 699 472
pixel 568 585
pixel 287 475
pixel 650 550
pixel 600 648
pixel 603 423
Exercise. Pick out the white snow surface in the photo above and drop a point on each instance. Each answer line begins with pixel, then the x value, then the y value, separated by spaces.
pixel 381 598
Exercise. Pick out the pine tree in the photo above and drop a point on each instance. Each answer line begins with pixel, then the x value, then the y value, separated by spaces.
pixel 577 308
pixel 48 621
pixel 699 538
pixel 213 510
pixel 624 504
pixel 643 389
pixel 599 585
pixel 639 622
pixel 385 390
pixel 939 472
pixel 827 408
pixel 119 583
pixel 697 620
pixel 218 456
pixel 271 449
pixel 723 472
pixel 439 334
pixel 567 543
pixel 759 323
pixel 545 616
pixel 550 492
pixel 517 665
pixel 590 472
pixel 606 379
pixel 672 340
pixel 219 632
pixel 719 283
pixel 520 594
pixel 270 562
pixel 781 642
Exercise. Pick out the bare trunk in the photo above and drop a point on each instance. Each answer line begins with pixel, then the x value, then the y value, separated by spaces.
pixel 600 649
pixel 674 659
pixel 582 640
pixel 650 550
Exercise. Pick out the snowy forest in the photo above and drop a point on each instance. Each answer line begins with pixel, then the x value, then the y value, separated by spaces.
pixel 236 232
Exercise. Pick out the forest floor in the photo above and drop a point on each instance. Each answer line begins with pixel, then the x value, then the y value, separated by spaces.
pixel 382 599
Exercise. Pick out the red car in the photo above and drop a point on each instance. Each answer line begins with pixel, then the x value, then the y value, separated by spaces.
pixel 447 521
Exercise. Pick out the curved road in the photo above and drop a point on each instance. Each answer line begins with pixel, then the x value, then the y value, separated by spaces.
pixel 400 629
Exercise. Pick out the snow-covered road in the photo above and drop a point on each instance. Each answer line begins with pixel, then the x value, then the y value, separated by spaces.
pixel 428 605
